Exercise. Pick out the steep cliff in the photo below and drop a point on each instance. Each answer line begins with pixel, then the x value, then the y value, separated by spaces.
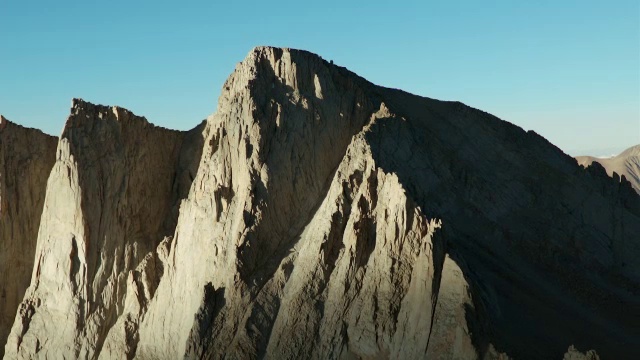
pixel 112 196
pixel 26 159
pixel 311 252
pixel 328 218
pixel 626 164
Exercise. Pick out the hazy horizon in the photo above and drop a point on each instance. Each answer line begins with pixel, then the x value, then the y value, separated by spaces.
pixel 570 72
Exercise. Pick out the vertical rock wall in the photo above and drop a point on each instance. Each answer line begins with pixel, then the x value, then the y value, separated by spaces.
pixel 26 159
pixel 111 198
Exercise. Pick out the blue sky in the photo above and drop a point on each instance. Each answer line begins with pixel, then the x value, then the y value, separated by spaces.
pixel 570 70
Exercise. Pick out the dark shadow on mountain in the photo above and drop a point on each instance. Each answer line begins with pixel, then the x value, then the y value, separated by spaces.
pixel 187 165
pixel 200 337
pixel 538 232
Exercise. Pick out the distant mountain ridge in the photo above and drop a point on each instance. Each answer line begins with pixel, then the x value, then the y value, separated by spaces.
pixel 626 164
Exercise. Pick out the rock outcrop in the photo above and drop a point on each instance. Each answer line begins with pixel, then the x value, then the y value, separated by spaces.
pixel 323 217
pixel 26 159
pixel 112 196
pixel 625 164
pixel 573 354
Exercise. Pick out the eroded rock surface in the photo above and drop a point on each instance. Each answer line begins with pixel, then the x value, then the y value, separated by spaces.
pixel 329 218
pixel 26 159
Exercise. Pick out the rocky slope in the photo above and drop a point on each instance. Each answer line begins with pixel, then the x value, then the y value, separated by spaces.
pixel 26 159
pixel 625 164
pixel 327 218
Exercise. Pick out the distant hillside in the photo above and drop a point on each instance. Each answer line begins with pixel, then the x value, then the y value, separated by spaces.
pixel 627 164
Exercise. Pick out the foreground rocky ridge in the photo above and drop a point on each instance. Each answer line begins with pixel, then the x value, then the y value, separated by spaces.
pixel 327 218
pixel 26 159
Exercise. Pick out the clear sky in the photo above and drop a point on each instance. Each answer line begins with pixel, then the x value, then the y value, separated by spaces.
pixel 570 70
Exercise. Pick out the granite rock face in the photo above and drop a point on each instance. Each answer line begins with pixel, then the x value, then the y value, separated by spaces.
pixel 111 197
pixel 625 164
pixel 284 274
pixel 316 215
pixel 26 159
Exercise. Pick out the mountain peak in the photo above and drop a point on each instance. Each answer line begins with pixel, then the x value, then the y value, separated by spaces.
pixel 626 164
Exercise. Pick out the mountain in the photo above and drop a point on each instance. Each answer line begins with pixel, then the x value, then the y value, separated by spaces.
pixel 317 215
pixel 625 164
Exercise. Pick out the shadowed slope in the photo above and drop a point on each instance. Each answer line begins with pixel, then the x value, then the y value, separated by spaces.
pixel 544 240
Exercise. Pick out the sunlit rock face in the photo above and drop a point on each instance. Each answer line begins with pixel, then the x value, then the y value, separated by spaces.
pixel 26 159
pixel 316 215
pixel 112 196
